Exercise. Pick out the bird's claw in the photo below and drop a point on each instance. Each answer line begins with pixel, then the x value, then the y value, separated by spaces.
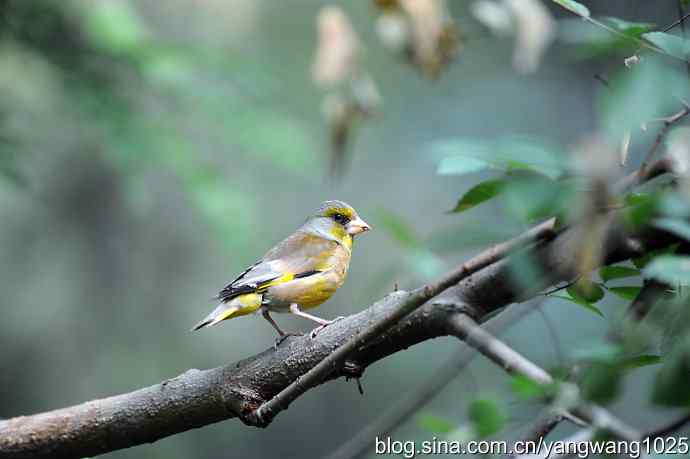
pixel 279 340
pixel 315 331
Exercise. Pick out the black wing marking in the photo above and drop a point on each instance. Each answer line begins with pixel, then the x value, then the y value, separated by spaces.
pixel 258 285
pixel 307 274
pixel 233 289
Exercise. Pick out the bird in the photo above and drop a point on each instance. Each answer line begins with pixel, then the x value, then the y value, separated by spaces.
pixel 301 272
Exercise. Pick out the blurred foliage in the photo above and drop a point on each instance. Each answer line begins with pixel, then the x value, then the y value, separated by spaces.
pixel 106 57
pixel 592 41
pixel 635 100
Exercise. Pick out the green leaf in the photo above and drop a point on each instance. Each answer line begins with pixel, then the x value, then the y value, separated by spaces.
pixel 527 154
pixel 632 29
pixel 639 94
pixel 579 302
pixel 640 208
pixel 598 352
pixel 463 156
pixel 634 199
pixel 671 383
pixel 587 292
pixel 608 273
pixel 680 228
pixel 641 361
pixel 643 261
pixel 672 44
pixel 532 197
pixel 575 7
pixel 527 388
pixel 479 193
pixel 672 269
pixel 435 424
pixel 627 293
pixel 602 381
pixel 486 416
pixel 460 165
pixel 593 41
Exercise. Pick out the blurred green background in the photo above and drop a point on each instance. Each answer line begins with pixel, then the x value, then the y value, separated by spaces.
pixel 150 150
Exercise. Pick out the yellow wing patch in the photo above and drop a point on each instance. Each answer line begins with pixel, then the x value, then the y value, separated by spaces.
pixel 243 305
pixel 287 277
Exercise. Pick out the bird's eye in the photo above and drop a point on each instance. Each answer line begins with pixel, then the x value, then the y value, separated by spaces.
pixel 340 219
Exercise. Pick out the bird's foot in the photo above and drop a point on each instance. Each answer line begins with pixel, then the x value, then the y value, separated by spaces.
pixel 279 340
pixel 315 331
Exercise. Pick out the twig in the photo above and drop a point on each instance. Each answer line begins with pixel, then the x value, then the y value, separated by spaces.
pixel 680 21
pixel 265 413
pixel 602 80
pixel 651 292
pixel 653 170
pixel 560 288
pixel 466 329
pixel 668 122
pixel 642 43
pixel 359 444
pixel 638 309
pixel 541 428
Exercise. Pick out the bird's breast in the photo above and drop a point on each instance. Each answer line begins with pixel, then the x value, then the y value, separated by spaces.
pixel 311 291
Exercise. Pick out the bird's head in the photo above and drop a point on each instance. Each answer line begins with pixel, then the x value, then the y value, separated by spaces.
pixel 339 219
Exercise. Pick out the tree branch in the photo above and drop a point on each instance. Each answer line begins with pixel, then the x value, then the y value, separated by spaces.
pixel 466 329
pixel 651 292
pixel 667 123
pixel 358 445
pixel 197 398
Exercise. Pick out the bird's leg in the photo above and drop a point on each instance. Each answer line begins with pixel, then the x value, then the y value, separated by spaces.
pixel 281 334
pixel 323 323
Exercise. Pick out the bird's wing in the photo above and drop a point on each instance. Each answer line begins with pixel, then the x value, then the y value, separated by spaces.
pixel 299 255
pixel 251 280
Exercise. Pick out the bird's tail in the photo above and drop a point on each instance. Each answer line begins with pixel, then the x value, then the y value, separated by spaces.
pixel 222 312
pixel 238 306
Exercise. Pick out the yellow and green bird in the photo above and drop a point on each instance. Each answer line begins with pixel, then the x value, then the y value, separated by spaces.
pixel 301 272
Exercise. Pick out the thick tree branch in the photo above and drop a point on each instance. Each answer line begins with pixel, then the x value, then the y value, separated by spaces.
pixel 197 398
pixel 399 412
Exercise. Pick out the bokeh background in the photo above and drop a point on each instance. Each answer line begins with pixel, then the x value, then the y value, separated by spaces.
pixel 149 151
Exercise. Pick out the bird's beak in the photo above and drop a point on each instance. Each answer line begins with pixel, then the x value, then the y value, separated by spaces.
pixel 357 226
